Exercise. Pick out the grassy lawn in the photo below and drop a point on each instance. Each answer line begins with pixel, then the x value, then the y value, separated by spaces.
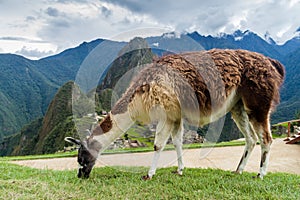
pixel 18 182
pixel 118 151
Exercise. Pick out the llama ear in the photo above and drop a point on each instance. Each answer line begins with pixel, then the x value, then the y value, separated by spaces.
pixel 73 140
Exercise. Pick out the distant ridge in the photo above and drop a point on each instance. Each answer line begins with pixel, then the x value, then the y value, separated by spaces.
pixel 28 86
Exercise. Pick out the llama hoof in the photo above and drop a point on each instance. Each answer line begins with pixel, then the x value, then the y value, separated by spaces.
pixel 236 172
pixel 146 178
pixel 258 176
pixel 177 172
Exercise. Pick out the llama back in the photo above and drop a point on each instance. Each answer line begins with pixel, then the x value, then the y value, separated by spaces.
pixel 186 85
pixel 202 81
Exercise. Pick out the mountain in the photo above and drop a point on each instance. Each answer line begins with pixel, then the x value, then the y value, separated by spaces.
pixel 45 135
pixel 28 86
pixel 268 38
pixel 238 40
pixel 63 67
pixel 173 43
pixel 290 46
pixel 290 98
pixel 131 58
pixel 24 93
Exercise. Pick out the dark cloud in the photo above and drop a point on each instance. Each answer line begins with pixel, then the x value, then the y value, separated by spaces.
pixel 53 12
pixel 208 15
pixel 30 19
pixel 105 11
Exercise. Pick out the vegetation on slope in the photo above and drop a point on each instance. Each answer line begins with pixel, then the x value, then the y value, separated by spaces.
pixel 45 135
pixel 24 93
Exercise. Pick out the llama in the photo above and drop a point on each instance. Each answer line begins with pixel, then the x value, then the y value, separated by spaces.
pixel 250 91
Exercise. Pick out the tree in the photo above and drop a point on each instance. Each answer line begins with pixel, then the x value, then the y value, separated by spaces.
pixel 297 114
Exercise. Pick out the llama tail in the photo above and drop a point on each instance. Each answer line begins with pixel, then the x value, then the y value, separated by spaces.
pixel 281 74
pixel 279 67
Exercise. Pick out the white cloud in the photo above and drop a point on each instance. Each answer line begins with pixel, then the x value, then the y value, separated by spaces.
pixel 65 23
pixel 33 53
pixel 23 39
pixel 210 17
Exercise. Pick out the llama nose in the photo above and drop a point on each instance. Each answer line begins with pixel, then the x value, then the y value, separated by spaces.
pixel 79 175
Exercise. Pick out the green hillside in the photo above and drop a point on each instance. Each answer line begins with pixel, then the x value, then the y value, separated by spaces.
pixel 24 93
pixel 133 56
pixel 45 135
pixel 290 92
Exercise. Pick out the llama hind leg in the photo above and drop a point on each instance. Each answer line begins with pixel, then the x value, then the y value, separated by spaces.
pixel 241 119
pixel 177 137
pixel 162 134
pixel 265 137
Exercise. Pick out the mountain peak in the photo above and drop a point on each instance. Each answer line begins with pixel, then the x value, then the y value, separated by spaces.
pixel 297 34
pixel 134 44
pixel 236 35
pixel 171 35
pixel 269 39
pixel 240 35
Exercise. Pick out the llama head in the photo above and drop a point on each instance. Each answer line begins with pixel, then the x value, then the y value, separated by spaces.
pixel 87 155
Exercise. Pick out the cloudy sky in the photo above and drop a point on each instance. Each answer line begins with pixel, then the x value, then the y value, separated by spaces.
pixel 37 28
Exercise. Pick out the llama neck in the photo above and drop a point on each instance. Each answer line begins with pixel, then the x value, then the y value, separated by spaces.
pixel 112 127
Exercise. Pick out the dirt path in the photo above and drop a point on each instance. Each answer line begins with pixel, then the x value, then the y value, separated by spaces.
pixel 284 158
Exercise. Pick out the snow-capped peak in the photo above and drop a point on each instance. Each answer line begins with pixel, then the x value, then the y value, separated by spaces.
pixel 297 34
pixel 237 35
pixel 171 35
pixel 268 38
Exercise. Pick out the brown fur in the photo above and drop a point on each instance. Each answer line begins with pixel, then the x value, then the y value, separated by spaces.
pixel 256 78
pixel 104 126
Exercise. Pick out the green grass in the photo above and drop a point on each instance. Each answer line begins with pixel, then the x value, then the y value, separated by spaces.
pixel 35 157
pixel 118 151
pixel 18 182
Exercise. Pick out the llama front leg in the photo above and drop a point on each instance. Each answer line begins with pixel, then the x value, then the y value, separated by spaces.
pixel 162 134
pixel 177 141
pixel 153 167
pixel 250 143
